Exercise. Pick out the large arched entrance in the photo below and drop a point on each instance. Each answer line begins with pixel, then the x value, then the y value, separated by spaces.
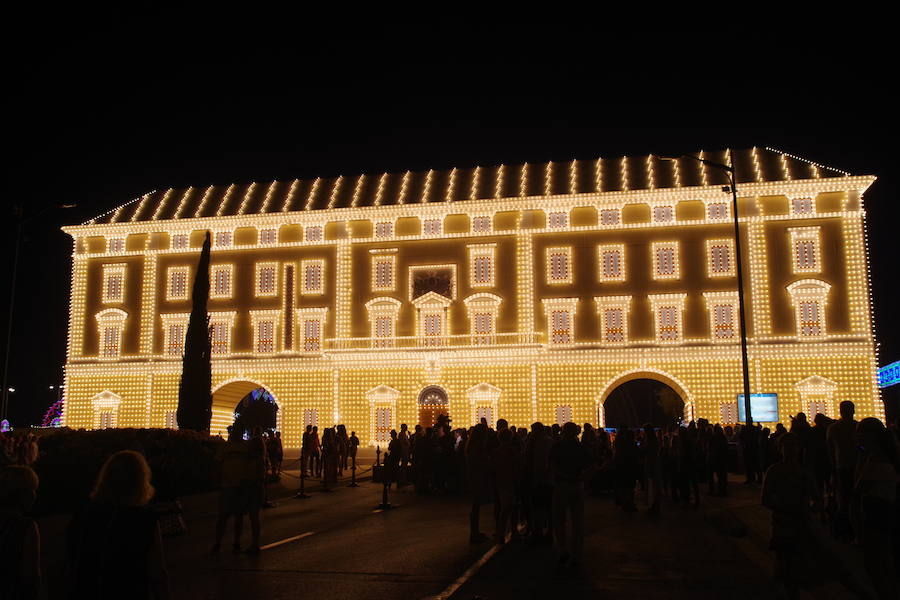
pixel 642 397
pixel 253 404
pixel 433 401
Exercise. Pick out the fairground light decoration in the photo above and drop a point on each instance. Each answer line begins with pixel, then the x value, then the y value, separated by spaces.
pixel 528 292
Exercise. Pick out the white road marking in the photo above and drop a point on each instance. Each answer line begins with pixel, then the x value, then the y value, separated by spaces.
pixel 470 572
pixel 287 540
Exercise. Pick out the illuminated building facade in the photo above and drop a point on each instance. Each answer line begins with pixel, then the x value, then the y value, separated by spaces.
pixel 526 292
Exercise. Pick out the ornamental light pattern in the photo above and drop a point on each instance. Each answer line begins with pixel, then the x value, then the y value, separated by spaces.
pixel 524 292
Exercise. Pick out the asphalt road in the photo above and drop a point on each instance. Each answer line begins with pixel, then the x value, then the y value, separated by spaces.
pixel 339 545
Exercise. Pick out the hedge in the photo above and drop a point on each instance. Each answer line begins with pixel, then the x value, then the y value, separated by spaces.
pixel 182 462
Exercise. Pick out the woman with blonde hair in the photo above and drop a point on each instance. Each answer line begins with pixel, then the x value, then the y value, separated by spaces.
pixel 114 543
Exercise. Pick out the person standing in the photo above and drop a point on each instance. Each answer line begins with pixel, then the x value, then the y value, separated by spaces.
pixel 114 545
pixel 353 445
pixel 843 453
pixel 330 459
pixel 254 486
pixel 652 467
pixel 315 452
pixel 276 454
pixel 20 537
pixel 876 487
pixel 478 475
pixel 570 464
pixel 232 495
pixel 305 448
pixel 403 439
pixel 788 490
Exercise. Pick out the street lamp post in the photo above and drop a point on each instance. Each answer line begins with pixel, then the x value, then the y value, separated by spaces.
pixel 21 220
pixel 745 363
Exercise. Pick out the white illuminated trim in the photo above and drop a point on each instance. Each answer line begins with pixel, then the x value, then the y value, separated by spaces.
pixel 312 277
pixel 267 282
pixel 221 279
pixel 178 283
pixel 666 262
pixel 558 266
pixel 113 284
pixel 611 262
pixel 720 258
pixel 482 265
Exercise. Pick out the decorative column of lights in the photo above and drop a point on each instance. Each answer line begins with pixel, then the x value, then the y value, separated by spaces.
pixel 729 170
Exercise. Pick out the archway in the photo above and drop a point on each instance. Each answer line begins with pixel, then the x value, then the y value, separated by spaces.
pixel 233 398
pixel 640 397
pixel 433 401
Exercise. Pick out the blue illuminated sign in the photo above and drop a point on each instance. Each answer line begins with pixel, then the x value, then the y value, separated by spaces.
pixel 763 407
pixel 889 375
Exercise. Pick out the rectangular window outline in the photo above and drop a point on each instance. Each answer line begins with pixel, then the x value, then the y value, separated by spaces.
pixel 555 258
pixel 115 245
pixel 180 241
pixel 564 414
pixel 311 328
pixel 671 308
pixel 261 283
pixel 662 213
pixel 384 229
pixel 308 287
pixel 717 211
pixel 557 220
pixel 605 306
pixel 715 301
pixel 803 206
pixel 560 329
pixel 217 282
pixel 172 284
pixel 806 253
pixel 432 227
pixel 266 329
pixel 314 233
pixel 113 284
pixel 268 237
pixel 221 323
pixel 482 265
pixel 607 250
pixel 110 340
pixel 656 250
pixel 715 249
pixel 482 223
pixel 384 272
pixel 610 216
pixel 223 239
pixel 170 324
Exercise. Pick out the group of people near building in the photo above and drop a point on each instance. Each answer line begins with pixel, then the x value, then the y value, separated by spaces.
pixel 845 472
pixel 327 457
pixel 825 481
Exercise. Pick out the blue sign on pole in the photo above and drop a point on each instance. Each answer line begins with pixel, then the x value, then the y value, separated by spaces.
pixel 889 375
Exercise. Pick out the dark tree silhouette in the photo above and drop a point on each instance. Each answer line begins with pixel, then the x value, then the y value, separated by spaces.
pixel 256 409
pixel 194 390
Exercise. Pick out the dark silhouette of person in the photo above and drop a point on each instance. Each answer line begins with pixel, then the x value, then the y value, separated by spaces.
pixel 478 474
pixel 843 454
pixel 114 545
pixel 571 464
pixel 20 537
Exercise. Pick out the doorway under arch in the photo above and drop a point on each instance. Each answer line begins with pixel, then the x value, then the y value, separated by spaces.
pixel 642 397
pixel 433 401
pixel 234 397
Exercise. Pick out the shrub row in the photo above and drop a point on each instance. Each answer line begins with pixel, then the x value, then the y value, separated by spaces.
pixel 183 462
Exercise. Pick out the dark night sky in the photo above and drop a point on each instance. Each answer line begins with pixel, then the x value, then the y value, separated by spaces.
pixel 100 116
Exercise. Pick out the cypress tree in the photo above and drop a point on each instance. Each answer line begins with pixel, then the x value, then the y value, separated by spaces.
pixel 194 390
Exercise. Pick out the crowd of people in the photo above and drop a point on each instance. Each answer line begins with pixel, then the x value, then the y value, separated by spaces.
pixel 845 472
pixel 825 480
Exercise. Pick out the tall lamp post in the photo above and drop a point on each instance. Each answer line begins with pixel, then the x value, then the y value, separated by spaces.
pixel 21 220
pixel 745 364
